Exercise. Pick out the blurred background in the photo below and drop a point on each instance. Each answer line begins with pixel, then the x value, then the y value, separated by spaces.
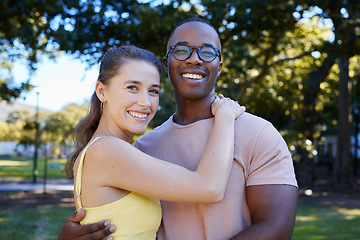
pixel 294 63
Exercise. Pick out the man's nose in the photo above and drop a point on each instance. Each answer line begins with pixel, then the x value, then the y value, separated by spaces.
pixel 194 57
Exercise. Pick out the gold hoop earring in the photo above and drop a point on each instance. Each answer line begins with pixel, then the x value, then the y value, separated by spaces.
pixel 101 105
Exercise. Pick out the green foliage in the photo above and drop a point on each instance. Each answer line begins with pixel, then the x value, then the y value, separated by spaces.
pixel 8 91
pixel 18 115
pixel 56 128
pixel 25 24
pixel 11 131
pixel 24 29
pixel 280 57
pixel 61 125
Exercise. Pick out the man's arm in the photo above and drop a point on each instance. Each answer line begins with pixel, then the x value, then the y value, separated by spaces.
pixel 273 212
pixel 95 231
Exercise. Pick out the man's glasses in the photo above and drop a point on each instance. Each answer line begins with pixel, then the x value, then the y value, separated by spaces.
pixel 182 52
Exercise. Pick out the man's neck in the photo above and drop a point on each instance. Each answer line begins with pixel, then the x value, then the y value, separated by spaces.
pixel 190 111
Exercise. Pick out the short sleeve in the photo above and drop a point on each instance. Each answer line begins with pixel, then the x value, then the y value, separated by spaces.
pixel 271 161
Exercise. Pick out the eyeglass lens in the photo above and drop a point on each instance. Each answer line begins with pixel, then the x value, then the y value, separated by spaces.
pixel 205 53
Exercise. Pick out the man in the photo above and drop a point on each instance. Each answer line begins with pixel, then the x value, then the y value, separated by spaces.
pixel 261 196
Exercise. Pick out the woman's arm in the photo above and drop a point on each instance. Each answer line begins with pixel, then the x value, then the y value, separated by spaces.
pixel 123 166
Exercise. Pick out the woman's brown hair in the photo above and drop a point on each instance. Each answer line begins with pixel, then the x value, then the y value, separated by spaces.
pixel 110 64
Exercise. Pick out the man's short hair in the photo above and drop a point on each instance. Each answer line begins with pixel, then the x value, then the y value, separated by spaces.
pixel 194 20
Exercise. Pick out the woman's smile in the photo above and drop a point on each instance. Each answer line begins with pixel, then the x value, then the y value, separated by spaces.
pixel 139 115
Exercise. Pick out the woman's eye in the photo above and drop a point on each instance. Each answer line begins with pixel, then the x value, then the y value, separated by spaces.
pixel 154 91
pixel 132 88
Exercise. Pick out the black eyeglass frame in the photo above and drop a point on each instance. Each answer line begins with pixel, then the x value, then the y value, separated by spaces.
pixel 217 51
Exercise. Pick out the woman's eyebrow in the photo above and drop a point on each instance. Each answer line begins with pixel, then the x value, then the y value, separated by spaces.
pixel 156 85
pixel 140 83
pixel 133 81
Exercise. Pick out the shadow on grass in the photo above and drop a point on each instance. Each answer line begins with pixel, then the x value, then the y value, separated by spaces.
pixel 32 215
pixel 43 223
pixel 326 222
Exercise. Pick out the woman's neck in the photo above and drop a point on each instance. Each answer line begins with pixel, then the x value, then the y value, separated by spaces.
pixel 105 129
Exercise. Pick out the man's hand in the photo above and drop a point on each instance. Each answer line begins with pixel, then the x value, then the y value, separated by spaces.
pixel 72 230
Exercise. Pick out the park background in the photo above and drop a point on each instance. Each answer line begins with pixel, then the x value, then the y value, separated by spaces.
pixel 294 63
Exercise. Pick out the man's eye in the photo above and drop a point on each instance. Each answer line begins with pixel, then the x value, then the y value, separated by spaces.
pixel 208 53
pixel 181 51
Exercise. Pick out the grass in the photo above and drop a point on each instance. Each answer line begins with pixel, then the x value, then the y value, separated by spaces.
pixel 45 222
pixel 324 222
pixel 33 223
pixel 39 223
pixel 23 167
pixel 312 223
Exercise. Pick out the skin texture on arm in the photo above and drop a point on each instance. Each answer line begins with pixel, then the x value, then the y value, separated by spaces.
pixel 273 212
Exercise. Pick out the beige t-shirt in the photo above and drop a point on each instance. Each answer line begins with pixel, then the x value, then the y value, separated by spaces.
pixel 261 156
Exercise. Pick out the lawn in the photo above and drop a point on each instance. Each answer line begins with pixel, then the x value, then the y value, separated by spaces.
pixel 23 167
pixel 324 222
pixel 312 222
pixel 31 221
pixel 43 222
pixel 36 223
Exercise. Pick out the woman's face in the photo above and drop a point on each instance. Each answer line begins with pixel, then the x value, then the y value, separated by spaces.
pixel 131 98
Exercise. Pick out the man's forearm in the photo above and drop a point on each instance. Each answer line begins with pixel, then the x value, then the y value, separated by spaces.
pixel 262 231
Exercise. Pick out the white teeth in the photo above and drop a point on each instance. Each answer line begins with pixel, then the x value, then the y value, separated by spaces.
pixel 138 115
pixel 192 76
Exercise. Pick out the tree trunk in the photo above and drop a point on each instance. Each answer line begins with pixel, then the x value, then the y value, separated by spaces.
pixel 356 118
pixel 342 167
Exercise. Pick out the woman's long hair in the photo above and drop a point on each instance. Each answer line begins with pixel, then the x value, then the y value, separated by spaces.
pixel 111 62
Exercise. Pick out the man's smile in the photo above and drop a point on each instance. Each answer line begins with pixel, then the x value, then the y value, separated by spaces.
pixel 192 76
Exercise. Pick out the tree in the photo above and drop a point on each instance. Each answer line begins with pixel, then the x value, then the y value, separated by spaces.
pixel 24 28
pixel 60 126
pixel 344 15
pixel 285 60
pixel 10 132
pixel 18 115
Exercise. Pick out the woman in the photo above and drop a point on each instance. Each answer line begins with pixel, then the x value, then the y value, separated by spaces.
pixel 114 180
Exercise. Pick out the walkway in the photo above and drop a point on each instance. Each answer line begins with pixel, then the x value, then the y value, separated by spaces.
pixel 17 184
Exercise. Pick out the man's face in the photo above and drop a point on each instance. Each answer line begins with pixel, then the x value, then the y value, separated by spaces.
pixel 192 78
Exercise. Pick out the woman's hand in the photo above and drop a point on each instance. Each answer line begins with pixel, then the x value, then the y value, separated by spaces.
pixel 226 107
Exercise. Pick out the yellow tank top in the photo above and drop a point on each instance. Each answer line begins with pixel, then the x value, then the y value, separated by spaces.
pixel 135 216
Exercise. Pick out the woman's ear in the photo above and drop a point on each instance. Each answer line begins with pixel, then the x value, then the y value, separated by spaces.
pixel 100 91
